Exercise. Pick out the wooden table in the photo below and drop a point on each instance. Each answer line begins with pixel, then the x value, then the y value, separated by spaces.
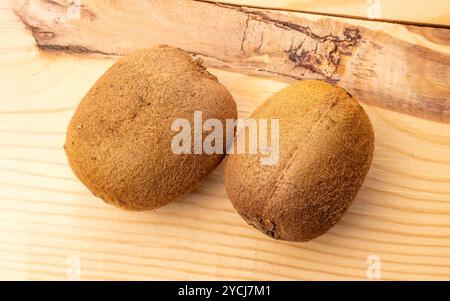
pixel 51 227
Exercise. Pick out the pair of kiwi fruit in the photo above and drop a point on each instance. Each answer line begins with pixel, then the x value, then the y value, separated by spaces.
pixel 118 144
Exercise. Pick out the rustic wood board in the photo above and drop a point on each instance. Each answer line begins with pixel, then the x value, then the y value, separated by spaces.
pixel 51 227
pixel 379 63
pixel 435 12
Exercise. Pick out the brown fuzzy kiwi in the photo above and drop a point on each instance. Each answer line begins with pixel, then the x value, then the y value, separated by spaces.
pixel 119 139
pixel 326 147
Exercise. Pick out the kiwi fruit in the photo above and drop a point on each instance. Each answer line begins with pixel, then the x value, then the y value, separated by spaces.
pixel 326 144
pixel 118 142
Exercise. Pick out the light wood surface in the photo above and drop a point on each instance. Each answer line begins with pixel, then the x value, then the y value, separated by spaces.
pixel 51 227
pixel 418 11
pixel 379 63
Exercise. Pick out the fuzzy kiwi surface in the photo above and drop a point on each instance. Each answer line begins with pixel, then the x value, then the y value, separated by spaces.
pixel 326 147
pixel 118 142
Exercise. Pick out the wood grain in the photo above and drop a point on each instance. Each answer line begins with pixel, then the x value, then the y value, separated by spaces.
pixel 393 66
pixel 48 218
pixel 435 12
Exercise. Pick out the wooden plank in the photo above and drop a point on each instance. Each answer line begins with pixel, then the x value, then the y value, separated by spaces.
pixel 435 12
pixel 399 67
pixel 51 227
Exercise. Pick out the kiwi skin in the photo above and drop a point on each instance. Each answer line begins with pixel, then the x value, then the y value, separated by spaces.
pixel 118 142
pixel 326 148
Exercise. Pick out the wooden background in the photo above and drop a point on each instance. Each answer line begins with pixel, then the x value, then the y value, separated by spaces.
pixel 51 227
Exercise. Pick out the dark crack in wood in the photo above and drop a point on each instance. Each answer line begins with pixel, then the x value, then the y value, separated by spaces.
pixel 332 47
pixel 75 49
